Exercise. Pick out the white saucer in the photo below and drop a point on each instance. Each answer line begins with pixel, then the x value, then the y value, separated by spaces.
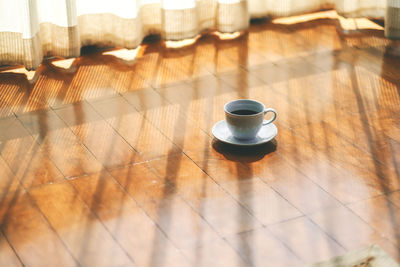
pixel 222 133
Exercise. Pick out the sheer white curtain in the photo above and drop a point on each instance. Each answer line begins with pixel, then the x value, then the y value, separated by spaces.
pixel 32 29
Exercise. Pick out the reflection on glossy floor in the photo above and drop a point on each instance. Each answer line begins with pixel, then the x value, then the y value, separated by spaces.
pixel 112 162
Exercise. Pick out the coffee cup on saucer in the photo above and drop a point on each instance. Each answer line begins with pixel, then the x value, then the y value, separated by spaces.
pixel 245 117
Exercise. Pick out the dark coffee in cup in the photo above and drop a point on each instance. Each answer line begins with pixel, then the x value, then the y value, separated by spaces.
pixel 244 112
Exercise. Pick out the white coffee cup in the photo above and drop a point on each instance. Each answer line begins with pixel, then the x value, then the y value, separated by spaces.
pixel 245 117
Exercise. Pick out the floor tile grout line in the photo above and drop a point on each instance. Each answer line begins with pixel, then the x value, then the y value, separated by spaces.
pixel 117 242
pixel 201 215
pixel 251 213
pixel 118 133
pixel 38 145
pixel 344 205
pixel 333 164
pixel 44 217
pixel 77 139
pixel 144 210
pixel 12 247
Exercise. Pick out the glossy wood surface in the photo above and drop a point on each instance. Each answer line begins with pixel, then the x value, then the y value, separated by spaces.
pixel 112 162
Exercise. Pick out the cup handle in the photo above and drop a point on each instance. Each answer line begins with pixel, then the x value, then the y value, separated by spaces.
pixel 273 118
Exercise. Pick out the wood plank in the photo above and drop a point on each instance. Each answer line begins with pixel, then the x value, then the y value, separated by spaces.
pixel 64 148
pixel 127 222
pixel 7 254
pixel 30 234
pixel 81 231
pixel 134 128
pixel 29 161
pixel 98 136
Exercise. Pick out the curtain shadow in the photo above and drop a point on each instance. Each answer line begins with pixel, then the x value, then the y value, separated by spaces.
pixel 172 168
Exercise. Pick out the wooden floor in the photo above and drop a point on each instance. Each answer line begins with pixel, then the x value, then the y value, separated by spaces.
pixel 112 162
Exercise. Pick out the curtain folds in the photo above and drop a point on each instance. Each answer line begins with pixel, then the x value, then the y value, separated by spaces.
pixel 33 29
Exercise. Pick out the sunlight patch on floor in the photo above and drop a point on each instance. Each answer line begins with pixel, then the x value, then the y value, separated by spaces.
pixel 181 43
pixel 307 17
pixel 347 24
pixel 30 74
pixel 354 24
pixel 63 63
pixel 227 36
pixel 124 54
